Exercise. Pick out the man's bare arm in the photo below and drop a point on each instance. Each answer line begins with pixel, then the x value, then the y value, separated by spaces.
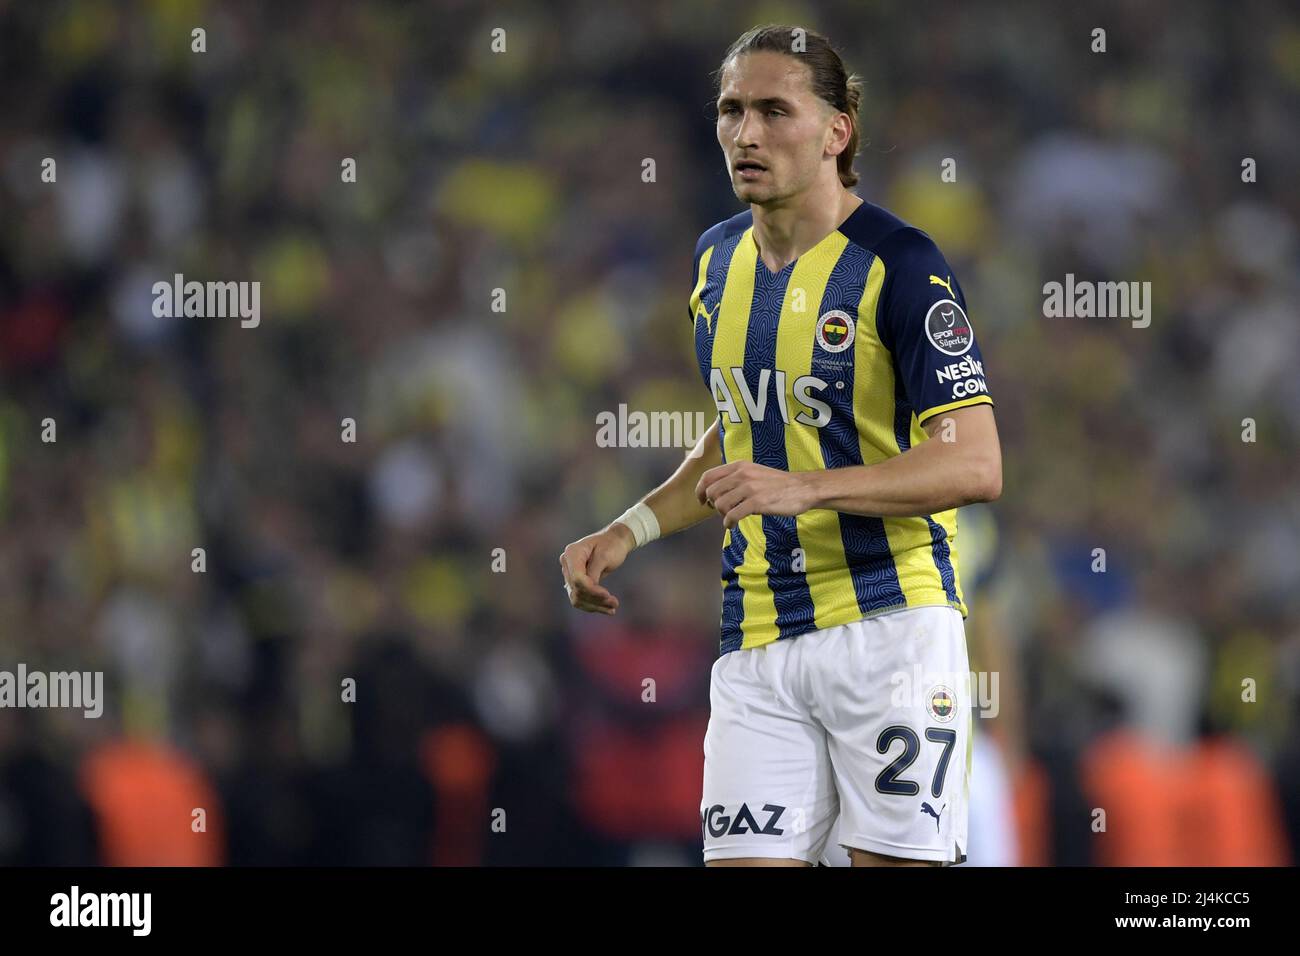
pixel 675 508
pixel 674 502
pixel 960 464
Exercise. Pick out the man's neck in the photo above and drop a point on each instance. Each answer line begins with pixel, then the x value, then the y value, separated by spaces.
pixel 786 232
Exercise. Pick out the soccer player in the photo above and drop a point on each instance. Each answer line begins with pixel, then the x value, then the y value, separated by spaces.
pixel 853 419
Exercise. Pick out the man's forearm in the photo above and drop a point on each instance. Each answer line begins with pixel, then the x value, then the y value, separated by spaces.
pixel 927 478
pixel 674 503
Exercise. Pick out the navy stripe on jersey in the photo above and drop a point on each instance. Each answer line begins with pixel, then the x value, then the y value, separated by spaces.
pixel 866 546
pixel 939 548
pixel 733 597
pixel 942 557
pixel 793 600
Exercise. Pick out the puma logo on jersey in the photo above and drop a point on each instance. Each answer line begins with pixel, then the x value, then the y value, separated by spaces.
pixel 935 280
pixel 708 316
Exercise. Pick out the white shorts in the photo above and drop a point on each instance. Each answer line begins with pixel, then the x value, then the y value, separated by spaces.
pixel 863 727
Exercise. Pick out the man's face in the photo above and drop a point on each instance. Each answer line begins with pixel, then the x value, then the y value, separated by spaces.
pixel 768 114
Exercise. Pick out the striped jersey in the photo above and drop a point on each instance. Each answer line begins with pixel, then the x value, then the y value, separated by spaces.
pixel 835 360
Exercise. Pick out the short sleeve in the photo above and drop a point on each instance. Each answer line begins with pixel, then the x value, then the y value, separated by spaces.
pixel 922 320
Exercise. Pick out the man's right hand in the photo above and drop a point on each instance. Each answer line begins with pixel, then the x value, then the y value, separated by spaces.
pixel 587 560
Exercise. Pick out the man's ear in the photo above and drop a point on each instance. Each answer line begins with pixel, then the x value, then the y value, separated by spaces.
pixel 833 115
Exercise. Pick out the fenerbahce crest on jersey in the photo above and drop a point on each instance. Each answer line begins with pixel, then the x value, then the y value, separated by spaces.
pixel 835 360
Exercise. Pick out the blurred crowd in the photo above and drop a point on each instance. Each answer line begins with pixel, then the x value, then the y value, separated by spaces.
pixel 372 660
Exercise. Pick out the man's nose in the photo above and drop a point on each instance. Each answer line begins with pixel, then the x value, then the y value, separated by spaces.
pixel 745 130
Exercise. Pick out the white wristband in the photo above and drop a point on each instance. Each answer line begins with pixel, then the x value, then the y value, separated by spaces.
pixel 641 520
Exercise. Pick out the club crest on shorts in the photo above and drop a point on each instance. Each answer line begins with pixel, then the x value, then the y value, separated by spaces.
pixel 941 703
pixel 835 331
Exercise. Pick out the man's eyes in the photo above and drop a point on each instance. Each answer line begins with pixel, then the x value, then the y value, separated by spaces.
pixel 770 112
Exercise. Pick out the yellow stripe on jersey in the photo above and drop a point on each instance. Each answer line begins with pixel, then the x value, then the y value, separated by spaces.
pixel 759 622
pixel 873 386
pixel 830 584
